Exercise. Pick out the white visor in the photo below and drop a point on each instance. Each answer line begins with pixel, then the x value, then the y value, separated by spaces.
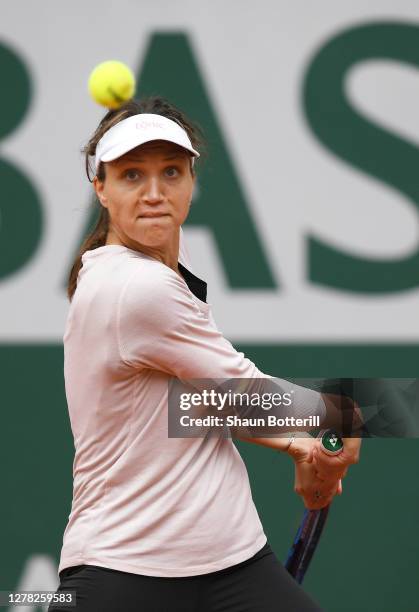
pixel 135 131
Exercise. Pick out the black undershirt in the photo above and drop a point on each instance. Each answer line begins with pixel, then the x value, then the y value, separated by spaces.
pixel 195 284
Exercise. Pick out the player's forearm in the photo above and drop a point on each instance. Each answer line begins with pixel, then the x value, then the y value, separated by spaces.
pixel 278 444
pixel 343 415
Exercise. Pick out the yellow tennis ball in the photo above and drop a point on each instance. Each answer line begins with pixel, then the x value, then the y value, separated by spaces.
pixel 111 84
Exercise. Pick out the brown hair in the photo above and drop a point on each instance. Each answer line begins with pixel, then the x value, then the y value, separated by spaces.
pixel 153 104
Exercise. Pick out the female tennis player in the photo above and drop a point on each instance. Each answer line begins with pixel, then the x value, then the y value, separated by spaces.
pixel 160 523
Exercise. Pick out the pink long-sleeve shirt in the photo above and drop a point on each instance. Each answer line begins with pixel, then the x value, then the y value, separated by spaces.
pixel 143 502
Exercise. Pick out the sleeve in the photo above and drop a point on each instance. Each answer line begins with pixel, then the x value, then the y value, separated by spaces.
pixel 161 327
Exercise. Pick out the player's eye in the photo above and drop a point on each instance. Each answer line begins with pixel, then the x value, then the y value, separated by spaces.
pixel 131 174
pixel 172 172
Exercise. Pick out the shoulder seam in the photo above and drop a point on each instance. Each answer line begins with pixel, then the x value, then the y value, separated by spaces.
pixel 118 318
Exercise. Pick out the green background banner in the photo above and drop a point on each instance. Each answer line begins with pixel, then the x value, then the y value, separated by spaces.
pixel 372 529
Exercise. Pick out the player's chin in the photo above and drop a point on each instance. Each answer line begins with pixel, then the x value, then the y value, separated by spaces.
pixel 155 234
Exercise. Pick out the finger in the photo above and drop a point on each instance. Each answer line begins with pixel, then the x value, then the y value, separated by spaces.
pixel 324 461
pixel 320 489
pixel 330 475
pixel 339 459
pixel 310 456
pixel 328 493
pixel 316 504
pixel 329 482
pixel 331 471
pixel 317 465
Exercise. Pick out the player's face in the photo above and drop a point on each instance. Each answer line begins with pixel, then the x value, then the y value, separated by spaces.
pixel 147 192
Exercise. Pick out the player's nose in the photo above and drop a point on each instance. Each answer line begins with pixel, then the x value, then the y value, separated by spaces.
pixel 152 190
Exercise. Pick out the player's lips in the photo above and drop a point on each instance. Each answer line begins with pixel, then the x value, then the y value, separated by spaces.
pixel 153 214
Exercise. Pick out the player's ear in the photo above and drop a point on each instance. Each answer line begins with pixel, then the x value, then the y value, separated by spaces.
pixel 98 187
pixel 194 188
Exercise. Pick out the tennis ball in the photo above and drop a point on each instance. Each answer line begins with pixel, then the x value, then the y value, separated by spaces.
pixel 111 84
